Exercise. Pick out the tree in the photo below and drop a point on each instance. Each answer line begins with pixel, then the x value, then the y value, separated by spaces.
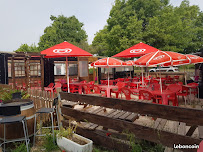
pixel 27 48
pixel 176 29
pixel 62 29
pixel 154 22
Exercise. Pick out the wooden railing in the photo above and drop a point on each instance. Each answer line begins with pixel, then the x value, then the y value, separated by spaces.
pixel 182 118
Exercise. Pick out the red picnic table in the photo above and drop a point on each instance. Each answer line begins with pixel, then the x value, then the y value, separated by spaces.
pixel 108 89
pixel 164 94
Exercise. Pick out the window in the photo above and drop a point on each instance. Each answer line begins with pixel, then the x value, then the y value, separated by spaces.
pixel 83 68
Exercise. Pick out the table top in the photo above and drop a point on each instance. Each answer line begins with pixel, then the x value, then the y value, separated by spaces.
pixel 108 86
pixel 19 103
pixel 164 92
pixel 190 86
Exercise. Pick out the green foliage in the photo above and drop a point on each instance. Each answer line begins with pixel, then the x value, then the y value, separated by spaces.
pixel 63 29
pixel 49 145
pixel 154 22
pixel 27 48
pixel 68 132
pixel 19 147
pixel 142 145
pixel 6 94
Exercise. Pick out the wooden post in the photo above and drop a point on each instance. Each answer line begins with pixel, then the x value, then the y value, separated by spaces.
pixel 93 77
pixel 26 73
pixel 42 72
pixel 13 72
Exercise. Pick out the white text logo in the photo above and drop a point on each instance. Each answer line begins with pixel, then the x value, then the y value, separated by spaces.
pixel 137 50
pixel 159 57
pixel 67 50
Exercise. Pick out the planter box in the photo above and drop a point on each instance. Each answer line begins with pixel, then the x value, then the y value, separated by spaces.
pixel 70 146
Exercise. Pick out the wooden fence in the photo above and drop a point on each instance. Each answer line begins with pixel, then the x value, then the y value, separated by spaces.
pixel 119 115
pixel 42 99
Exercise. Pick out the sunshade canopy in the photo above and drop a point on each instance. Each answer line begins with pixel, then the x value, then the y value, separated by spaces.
pixel 160 58
pixel 64 49
pixel 108 62
pixel 191 59
pixel 137 50
pixel 129 63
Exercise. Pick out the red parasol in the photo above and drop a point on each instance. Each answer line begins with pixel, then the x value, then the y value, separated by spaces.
pixel 137 50
pixel 65 49
pixel 107 63
pixel 160 58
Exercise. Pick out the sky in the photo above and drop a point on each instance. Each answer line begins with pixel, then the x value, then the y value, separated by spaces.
pixel 24 21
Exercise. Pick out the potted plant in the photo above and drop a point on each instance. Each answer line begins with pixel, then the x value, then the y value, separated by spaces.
pixel 69 141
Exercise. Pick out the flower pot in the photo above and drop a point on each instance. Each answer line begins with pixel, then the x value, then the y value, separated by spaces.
pixel 71 146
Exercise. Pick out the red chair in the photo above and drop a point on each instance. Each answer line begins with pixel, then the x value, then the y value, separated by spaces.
pixel 154 81
pixel 179 82
pixel 154 86
pixel 57 85
pixel 49 88
pixel 120 85
pixel 194 90
pixel 169 80
pixel 127 92
pixel 97 90
pixel 87 89
pixel 91 84
pixel 176 89
pixel 133 86
pixel 184 93
pixel 73 88
pixel 146 95
pixel 103 82
pixel 120 80
pixel 84 81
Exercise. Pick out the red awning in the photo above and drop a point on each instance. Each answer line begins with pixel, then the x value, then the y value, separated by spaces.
pixel 65 49
pixel 137 50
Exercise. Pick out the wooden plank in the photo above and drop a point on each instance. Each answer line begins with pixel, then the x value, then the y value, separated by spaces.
pixel 194 116
pixel 150 134
pixel 114 113
pixel 97 110
pixel 93 127
pixel 162 124
pixel 191 130
pixel 200 129
pixel 182 129
pixel 110 112
pixel 125 115
pixel 132 117
pixel 119 114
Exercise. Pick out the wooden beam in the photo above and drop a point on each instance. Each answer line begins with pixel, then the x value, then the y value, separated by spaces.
pixel 193 117
pixel 13 73
pixel 191 130
pixel 42 72
pixel 142 132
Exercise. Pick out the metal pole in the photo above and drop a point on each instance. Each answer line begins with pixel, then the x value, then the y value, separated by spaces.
pixel 67 74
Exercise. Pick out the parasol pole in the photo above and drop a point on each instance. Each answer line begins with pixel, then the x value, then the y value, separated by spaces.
pixel 185 76
pixel 108 76
pixel 67 74
pixel 160 79
pixel 142 77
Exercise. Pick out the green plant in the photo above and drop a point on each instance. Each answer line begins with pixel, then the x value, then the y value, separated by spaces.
pixel 49 145
pixel 6 94
pixel 19 147
pixel 68 132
